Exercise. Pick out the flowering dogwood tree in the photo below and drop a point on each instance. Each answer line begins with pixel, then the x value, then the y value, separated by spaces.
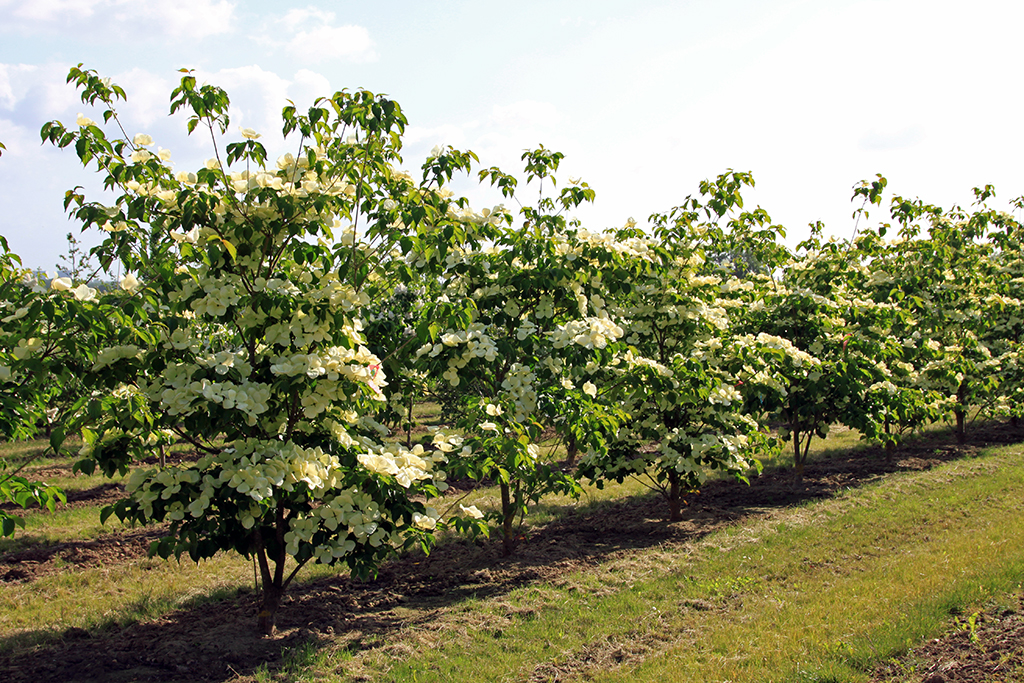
pixel 940 272
pixel 684 399
pixel 253 276
pixel 49 335
pixel 534 332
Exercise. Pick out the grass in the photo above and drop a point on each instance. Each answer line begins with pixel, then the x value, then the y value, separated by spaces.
pixel 75 524
pixel 120 594
pixel 814 593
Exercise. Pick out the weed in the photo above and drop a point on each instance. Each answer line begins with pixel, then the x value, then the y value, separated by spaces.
pixel 969 626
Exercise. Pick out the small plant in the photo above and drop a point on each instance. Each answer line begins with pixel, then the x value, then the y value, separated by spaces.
pixel 969 626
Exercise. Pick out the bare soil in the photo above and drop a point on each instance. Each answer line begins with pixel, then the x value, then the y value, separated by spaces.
pixel 990 650
pixel 217 641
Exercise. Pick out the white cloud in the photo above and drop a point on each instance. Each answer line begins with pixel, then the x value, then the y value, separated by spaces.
pixel 257 96
pixel 311 36
pixel 31 94
pixel 51 10
pixel 194 19
pixel 351 43
pixel 307 86
pixel 295 19
pixel 189 18
pixel 148 102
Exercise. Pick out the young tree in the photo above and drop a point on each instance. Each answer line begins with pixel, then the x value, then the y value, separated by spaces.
pixel 253 286
pixel 48 337
pixel 534 331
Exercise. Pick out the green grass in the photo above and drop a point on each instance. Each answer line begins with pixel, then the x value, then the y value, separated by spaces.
pixel 119 594
pixel 815 593
pixel 43 529
pixel 18 453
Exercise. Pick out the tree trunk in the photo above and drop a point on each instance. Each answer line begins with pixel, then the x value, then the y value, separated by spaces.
pixel 890 443
pixel 267 618
pixel 675 497
pixel 273 582
pixel 798 458
pixel 408 424
pixel 961 428
pixel 507 519
pixel 961 413
pixel 571 449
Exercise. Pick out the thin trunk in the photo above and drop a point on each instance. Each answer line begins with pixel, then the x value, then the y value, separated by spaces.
pixel 890 444
pixel 675 497
pixel 571 449
pixel 408 425
pixel 961 413
pixel 274 583
pixel 798 460
pixel 163 457
pixel 267 618
pixel 507 519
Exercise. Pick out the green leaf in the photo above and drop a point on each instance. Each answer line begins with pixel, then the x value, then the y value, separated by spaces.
pixel 9 523
pixel 86 466
pixel 57 438
pixel 231 249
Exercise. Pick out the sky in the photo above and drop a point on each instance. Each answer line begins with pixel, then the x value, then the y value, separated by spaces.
pixel 645 99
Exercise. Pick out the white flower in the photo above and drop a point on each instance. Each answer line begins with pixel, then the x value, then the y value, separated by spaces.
pixel 488 426
pixel 725 395
pixel 129 282
pixel 493 410
pixel 61 284
pixel 471 511
pixel 84 121
pixel 17 315
pixel 142 140
pixel 84 292
pixel 423 521
pixel 192 236
pixel 249 134
pixel 27 347
pixel 589 389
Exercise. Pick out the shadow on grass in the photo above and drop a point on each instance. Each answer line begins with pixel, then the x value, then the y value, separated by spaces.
pixel 213 640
